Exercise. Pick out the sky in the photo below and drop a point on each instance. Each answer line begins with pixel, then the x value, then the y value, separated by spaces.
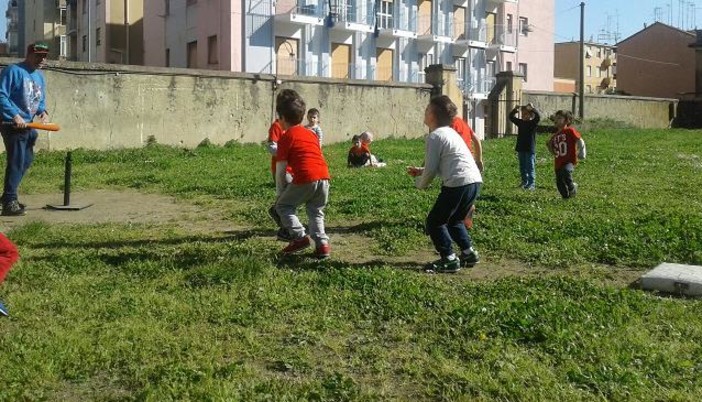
pixel 624 16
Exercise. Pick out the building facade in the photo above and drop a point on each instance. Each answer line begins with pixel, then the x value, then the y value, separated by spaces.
pixel 106 31
pixel 13 22
pixel 36 20
pixel 600 66
pixel 379 40
pixel 657 61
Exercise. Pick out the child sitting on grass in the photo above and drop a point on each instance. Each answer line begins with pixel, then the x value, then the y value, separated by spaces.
pixel 562 146
pixel 360 154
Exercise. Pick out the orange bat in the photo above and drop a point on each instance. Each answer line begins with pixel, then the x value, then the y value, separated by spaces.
pixel 36 125
pixel 44 126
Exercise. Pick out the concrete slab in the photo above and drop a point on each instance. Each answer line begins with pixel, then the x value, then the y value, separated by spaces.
pixel 674 278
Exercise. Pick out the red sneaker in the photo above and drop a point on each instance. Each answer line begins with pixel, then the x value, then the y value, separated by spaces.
pixel 322 252
pixel 296 245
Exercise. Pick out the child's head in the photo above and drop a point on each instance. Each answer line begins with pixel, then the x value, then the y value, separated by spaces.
pixel 440 112
pixel 563 118
pixel 313 117
pixel 527 112
pixel 366 137
pixel 290 107
pixel 356 140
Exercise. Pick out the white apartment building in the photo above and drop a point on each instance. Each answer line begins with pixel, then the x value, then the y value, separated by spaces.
pixel 380 40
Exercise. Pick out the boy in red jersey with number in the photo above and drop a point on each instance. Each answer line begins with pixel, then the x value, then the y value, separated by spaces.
pixel 299 149
pixel 8 256
pixel 566 145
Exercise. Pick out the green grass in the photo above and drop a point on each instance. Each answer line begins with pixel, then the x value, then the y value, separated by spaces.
pixel 148 312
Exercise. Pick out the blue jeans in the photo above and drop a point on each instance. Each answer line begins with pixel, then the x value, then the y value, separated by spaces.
pixel 445 220
pixel 19 147
pixel 527 163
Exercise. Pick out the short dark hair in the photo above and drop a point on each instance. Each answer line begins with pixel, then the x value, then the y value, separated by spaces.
pixel 567 114
pixel 290 106
pixel 444 109
pixel 313 111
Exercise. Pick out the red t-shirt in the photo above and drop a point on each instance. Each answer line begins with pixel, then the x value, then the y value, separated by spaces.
pixel 300 148
pixel 464 130
pixel 8 256
pixel 363 149
pixel 563 144
pixel 274 133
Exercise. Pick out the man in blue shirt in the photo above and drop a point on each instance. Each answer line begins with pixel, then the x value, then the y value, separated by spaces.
pixel 22 97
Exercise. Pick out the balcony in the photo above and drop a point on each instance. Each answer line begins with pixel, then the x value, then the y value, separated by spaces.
pixel 501 39
pixel 502 1
pixel 434 29
pixel 476 87
pixel 307 14
pixel 347 17
pixel 476 38
pixel 400 26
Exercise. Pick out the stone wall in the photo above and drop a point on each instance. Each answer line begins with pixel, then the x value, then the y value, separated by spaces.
pixel 115 106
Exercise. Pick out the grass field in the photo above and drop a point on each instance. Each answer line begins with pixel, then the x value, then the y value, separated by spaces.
pixel 154 312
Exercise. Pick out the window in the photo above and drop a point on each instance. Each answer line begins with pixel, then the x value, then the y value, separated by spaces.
pixel 212 50
pixel 523 26
pixel 510 23
pixel 460 64
pixel 62 16
pixel 85 43
pixel 63 45
pixel 168 57
pixel 598 72
pixel 98 38
pixel 385 14
pixel 523 70
pixel 509 66
pixel 192 54
pixel 599 52
pixel 588 71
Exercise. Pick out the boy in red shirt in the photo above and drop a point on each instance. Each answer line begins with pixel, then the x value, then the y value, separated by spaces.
pixel 299 149
pixel 8 256
pixel 566 145
pixel 359 154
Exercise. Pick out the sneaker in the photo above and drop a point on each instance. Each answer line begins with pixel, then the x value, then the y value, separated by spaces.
pixel 12 208
pixel 322 251
pixel 283 235
pixel 296 245
pixel 3 310
pixel 468 260
pixel 444 266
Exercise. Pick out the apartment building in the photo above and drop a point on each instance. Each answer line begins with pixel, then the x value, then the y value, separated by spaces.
pixel 12 15
pixel 29 21
pixel 600 65
pixel 379 40
pixel 657 61
pixel 106 31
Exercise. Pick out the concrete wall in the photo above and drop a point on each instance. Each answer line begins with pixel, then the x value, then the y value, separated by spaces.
pixel 636 111
pixel 111 106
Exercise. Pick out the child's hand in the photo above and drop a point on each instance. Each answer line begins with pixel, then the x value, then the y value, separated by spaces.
pixel 414 171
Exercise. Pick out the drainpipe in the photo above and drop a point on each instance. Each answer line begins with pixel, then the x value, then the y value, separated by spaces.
pixel 126 29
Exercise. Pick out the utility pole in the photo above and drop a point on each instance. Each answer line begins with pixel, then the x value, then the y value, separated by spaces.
pixel 581 89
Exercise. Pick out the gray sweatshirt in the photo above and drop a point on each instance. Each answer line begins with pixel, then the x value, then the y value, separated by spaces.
pixel 448 157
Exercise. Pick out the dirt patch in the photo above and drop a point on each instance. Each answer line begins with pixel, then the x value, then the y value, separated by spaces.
pixel 353 248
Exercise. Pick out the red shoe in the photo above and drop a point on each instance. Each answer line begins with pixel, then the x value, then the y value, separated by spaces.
pixel 296 245
pixel 322 252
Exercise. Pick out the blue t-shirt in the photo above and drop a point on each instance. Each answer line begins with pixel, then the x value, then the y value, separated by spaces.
pixel 22 92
